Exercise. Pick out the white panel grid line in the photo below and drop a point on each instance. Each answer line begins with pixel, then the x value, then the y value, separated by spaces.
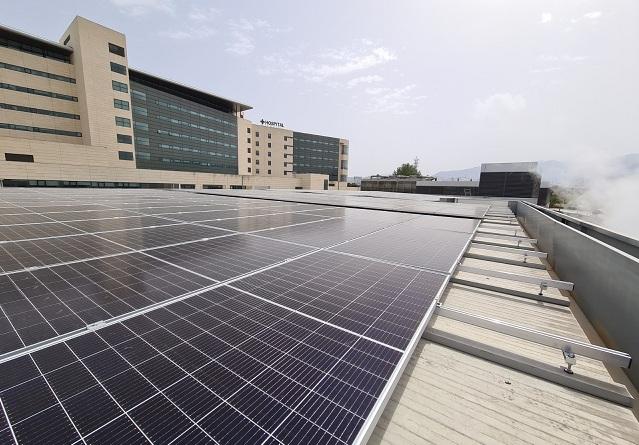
pixel 6 416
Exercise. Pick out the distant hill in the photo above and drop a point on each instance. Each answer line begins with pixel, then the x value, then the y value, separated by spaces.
pixel 564 173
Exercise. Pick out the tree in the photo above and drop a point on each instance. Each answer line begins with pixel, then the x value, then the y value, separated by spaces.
pixel 406 169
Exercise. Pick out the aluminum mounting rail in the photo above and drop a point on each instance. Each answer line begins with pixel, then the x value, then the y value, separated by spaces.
pixel 566 345
pixel 513 250
pixel 543 282
pixel 519 239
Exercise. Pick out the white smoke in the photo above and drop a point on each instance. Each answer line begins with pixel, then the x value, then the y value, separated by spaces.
pixel 607 189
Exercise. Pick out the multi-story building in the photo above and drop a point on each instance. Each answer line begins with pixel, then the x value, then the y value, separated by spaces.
pixel 74 113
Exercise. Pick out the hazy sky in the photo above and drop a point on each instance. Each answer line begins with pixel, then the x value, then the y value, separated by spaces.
pixel 456 83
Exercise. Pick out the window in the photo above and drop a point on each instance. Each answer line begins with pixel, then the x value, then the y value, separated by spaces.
pixel 140 111
pixel 344 149
pixel 249 169
pixel 40 130
pixel 257 171
pixel 125 155
pixel 121 104
pixel 248 130
pixel 38 111
pixel 344 165
pixel 269 172
pixel 269 162
pixel 116 49
pixel 257 143
pixel 285 138
pixel 22 69
pixel 257 152
pixel 141 140
pixel 248 149
pixel 8 86
pixel 248 140
pixel 117 68
pixel 286 164
pixel 122 122
pixel 144 156
pixel 141 126
pixel 187 186
pixel 269 153
pixel 285 173
pixel 124 139
pixel 257 162
pixel 16 157
pixel 269 146
pixel 249 160
pixel 138 95
pixel 62 55
pixel 257 134
pixel 119 86
pixel 66 40
pixel 212 186
pixel 268 135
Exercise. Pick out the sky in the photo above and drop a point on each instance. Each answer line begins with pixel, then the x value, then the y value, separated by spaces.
pixel 454 83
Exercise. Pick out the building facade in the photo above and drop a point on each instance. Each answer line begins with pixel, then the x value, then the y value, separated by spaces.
pixel 74 113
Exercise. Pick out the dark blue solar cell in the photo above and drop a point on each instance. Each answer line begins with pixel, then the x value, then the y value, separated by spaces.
pixel 51 427
pixel 160 420
pixel 195 399
pixel 135 350
pixel 70 380
pixel 27 399
pixel 16 371
pixel 121 430
pixel 129 388
pixel 259 407
pixel 227 426
pixel 187 357
pixel 219 379
pixel 105 364
pixel 102 409
pixel 160 371
pixel 327 415
pixel 86 344
pixel 297 430
pixel 53 357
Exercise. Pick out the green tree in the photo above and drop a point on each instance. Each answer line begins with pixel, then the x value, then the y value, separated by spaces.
pixel 406 169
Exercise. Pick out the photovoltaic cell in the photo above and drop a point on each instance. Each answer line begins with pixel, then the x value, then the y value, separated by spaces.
pixel 44 303
pixel 150 237
pixel 31 231
pixel 249 224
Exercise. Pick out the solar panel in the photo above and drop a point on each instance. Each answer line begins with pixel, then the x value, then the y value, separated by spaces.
pixel 196 318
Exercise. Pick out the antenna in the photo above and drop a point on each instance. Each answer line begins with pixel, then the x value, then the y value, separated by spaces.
pixel 416 163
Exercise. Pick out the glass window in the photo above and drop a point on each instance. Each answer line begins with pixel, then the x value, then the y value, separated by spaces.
pixel 116 49
pixel 269 146
pixel 249 150
pixel 138 94
pixel 121 104
pixel 269 172
pixel 257 171
pixel 117 68
pixel 17 157
pixel 119 86
pixel 141 126
pixel 248 130
pixel 143 155
pixel 257 162
pixel 269 162
pixel 139 140
pixel 257 134
pixel 269 135
pixel 248 140
pixel 122 122
pixel 257 143
pixel 249 169
pixel 125 155
pixel 140 110
pixel 257 152
pixel 269 153
pixel 124 139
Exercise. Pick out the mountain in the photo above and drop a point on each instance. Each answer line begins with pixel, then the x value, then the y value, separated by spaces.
pixel 566 173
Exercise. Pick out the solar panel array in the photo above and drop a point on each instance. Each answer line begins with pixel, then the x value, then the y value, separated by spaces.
pixel 137 316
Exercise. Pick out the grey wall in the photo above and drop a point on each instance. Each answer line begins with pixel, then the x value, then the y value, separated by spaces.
pixel 606 279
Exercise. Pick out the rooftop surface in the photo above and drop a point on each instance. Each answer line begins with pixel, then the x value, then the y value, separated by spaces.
pixel 288 317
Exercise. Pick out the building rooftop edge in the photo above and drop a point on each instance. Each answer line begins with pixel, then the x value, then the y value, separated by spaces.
pixel 36 38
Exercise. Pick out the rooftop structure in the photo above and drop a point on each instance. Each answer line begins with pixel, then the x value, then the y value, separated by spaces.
pixel 73 113
pixel 301 317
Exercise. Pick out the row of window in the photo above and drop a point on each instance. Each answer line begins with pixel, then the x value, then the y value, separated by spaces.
pixel 195 150
pixel 195 138
pixel 257 143
pixel 188 124
pixel 138 94
pixel 146 156
pixel 22 69
pixel 315 141
pixel 257 162
pixel 257 172
pixel 39 111
pixel 257 153
pixel 40 130
pixel 173 106
pixel 268 135
pixel 48 53
pixel 8 86
pixel 139 140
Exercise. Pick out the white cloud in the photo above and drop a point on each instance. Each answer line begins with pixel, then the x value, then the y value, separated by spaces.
pixel 142 7
pixel 242 33
pixel 203 14
pixel 200 32
pixel 499 104
pixel 592 16
pixel 397 101
pixel 546 17
pixel 346 62
pixel 364 79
